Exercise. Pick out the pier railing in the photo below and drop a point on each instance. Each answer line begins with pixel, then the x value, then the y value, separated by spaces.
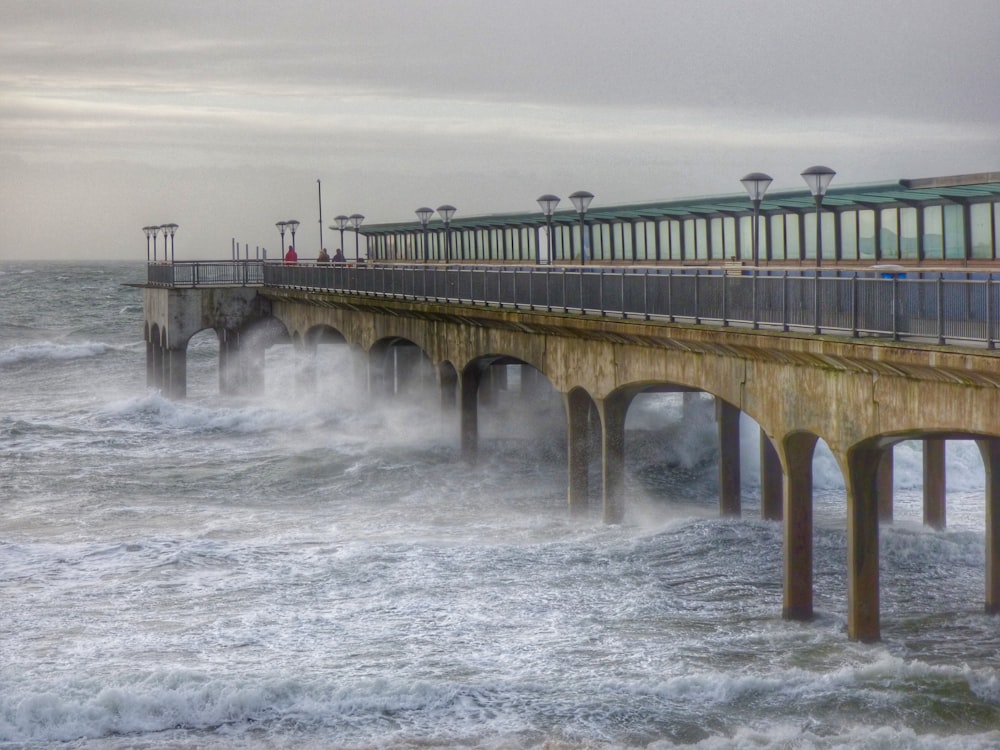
pixel 946 307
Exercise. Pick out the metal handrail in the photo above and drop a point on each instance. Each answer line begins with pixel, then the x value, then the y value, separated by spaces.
pixel 946 307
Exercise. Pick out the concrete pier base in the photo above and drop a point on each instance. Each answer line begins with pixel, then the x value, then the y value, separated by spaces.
pixel 798 530
pixel 934 484
pixel 884 480
pixel 469 416
pixel 772 488
pixel 862 544
pixel 989 448
pixel 578 423
pixel 728 418
pixel 612 411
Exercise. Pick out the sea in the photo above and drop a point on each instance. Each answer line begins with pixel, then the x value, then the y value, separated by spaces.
pixel 317 567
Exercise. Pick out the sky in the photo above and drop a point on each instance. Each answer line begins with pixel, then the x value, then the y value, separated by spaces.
pixel 226 116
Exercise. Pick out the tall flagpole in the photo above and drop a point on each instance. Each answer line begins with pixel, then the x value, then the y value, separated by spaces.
pixel 319 191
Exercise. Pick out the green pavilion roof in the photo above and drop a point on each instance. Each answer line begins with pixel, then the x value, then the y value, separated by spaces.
pixel 905 192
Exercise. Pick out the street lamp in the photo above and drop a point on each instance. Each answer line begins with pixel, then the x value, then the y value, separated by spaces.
pixel 341 222
pixel 168 228
pixel 548 203
pixel 282 225
pixel 756 184
pixel 424 214
pixel 292 225
pixel 818 178
pixel 447 211
pixel 356 220
pixel 150 232
pixel 581 200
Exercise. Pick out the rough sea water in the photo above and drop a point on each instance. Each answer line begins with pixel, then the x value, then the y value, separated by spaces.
pixel 321 570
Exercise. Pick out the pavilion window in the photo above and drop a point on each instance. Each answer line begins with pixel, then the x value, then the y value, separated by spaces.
pixel 889 234
pixel 746 238
pixel 648 234
pixel 729 237
pixel 933 233
pixel 775 249
pixel 866 234
pixel 718 250
pixel 793 248
pixel 848 236
pixel 676 240
pixel 981 226
pixel 954 232
pixel 809 222
pixel 908 246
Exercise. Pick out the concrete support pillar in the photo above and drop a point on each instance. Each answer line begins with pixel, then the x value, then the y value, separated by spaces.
pixel 152 379
pixel 469 397
pixel 934 490
pixel 176 367
pixel 798 539
pixel 990 450
pixel 771 481
pixel 862 544
pixel 728 418
pixel 159 366
pixel 578 406
pixel 448 380
pixel 613 410
pixel 884 480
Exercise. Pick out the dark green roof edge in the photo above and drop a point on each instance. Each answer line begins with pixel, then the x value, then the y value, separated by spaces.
pixel 902 192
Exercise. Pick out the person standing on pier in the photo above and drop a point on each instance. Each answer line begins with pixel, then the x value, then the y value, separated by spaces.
pixel 291 256
pixel 324 256
pixel 338 257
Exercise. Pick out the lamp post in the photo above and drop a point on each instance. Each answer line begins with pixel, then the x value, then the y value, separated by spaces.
pixel 424 214
pixel 356 220
pixel 292 225
pixel 818 179
pixel 341 222
pixel 282 226
pixel 168 229
pixel 447 211
pixel 156 233
pixel 756 184
pixel 581 201
pixel 548 203
pixel 150 232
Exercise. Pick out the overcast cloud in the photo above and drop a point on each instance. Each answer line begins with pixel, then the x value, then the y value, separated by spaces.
pixel 220 115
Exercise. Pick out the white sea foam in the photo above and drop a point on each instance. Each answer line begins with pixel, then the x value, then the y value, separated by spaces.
pixel 49 351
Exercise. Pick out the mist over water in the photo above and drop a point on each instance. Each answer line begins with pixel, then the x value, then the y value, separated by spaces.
pixel 318 569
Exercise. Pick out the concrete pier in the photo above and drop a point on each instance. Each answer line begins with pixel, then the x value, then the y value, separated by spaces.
pixel 860 396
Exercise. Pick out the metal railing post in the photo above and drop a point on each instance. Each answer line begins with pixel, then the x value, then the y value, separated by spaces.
pixel 989 311
pixel 725 298
pixel 854 305
pixel 940 308
pixel 784 301
pixel 895 307
pixel 645 291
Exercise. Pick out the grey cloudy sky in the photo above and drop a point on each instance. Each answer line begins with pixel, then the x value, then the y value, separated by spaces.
pixel 220 115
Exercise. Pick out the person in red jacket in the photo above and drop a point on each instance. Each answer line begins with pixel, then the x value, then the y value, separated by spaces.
pixel 291 256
